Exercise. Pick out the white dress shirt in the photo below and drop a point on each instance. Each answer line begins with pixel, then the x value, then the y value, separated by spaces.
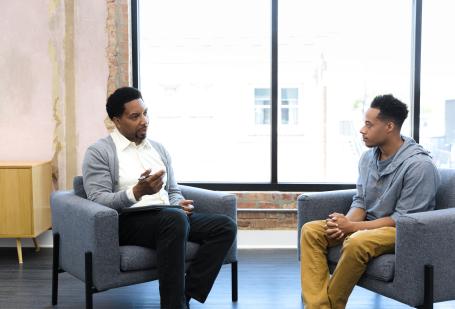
pixel 133 160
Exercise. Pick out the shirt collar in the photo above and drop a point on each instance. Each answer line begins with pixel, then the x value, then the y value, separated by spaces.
pixel 122 143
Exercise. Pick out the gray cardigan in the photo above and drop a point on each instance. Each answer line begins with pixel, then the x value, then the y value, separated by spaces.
pixel 101 173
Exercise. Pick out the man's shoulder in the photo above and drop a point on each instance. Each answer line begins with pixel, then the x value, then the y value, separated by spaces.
pixel 102 143
pixel 420 161
pixel 102 147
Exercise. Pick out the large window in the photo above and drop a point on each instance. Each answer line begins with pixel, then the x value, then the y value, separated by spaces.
pixel 437 117
pixel 201 62
pixel 341 54
pixel 271 94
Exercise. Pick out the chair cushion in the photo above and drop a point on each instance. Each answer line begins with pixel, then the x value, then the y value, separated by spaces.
pixel 380 268
pixel 140 258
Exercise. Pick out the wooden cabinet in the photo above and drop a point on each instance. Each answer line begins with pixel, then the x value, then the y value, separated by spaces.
pixel 25 189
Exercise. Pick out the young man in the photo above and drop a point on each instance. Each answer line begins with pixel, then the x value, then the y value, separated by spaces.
pixel 125 169
pixel 396 177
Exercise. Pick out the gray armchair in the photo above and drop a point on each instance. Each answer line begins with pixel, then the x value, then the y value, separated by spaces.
pixel 86 243
pixel 421 270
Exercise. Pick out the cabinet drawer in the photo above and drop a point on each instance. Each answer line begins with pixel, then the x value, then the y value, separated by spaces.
pixel 15 201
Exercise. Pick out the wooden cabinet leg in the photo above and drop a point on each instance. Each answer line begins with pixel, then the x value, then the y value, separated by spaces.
pixel 37 247
pixel 19 250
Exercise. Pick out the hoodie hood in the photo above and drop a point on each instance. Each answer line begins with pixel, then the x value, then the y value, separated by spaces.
pixel 407 150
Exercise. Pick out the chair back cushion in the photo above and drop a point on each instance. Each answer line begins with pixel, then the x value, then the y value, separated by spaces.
pixel 78 186
pixel 445 197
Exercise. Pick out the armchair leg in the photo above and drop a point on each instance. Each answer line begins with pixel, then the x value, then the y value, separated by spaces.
pixel 88 281
pixel 55 266
pixel 428 297
pixel 234 280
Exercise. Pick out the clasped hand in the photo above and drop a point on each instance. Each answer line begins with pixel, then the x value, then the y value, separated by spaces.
pixel 338 226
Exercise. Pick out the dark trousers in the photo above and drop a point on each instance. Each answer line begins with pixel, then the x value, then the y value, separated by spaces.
pixel 167 231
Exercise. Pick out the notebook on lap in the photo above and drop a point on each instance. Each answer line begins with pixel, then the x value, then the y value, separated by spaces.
pixel 147 208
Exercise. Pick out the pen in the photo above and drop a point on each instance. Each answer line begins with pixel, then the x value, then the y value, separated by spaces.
pixel 142 178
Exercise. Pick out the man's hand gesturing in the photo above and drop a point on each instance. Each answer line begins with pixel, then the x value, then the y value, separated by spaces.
pixel 148 184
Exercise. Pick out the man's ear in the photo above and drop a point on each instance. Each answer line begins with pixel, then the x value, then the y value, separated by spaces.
pixel 390 126
pixel 116 121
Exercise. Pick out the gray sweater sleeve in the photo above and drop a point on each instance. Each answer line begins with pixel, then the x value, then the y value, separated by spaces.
pixel 420 184
pixel 98 179
pixel 358 200
pixel 175 195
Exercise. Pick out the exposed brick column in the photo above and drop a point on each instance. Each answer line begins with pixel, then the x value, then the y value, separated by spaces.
pixel 118 48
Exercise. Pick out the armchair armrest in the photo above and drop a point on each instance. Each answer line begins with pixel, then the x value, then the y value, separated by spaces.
pixel 318 206
pixel 208 201
pixel 84 226
pixel 215 202
pixel 426 238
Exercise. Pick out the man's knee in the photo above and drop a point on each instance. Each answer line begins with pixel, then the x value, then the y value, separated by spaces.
pixel 313 229
pixel 231 227
pixel 355 245
pixel 367 243
pixel 227 226
pixel 175 220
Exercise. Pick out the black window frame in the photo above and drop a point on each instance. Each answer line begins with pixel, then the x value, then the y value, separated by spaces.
pixel 274 185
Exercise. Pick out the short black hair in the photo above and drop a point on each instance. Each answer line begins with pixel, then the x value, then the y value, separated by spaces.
pixel 115 105
pixel 390 109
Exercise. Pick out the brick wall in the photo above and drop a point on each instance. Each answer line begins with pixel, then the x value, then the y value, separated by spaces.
pixel 267 210
pixel 267 200
pixel 119 44
pixel 118 47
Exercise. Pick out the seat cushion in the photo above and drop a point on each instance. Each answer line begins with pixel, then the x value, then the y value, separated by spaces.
pixel 380 268
pixel 140 258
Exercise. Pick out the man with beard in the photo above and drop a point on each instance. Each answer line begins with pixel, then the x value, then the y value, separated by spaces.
pixel 125 169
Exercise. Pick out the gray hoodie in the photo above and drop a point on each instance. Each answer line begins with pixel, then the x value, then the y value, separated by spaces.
pixel 408 184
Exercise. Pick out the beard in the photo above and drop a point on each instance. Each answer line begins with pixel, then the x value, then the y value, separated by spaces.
pixel 141 133
pixel 141 136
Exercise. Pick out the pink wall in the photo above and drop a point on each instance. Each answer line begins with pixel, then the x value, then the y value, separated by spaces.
pixel 26 123
pixel 91 73
pixel 34 75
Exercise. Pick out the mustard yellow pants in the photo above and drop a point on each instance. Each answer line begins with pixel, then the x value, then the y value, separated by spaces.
pixel 319 290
